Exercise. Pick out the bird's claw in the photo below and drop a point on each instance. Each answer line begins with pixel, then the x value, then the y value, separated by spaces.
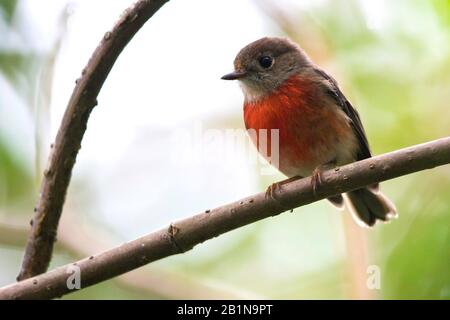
pixel 270 192
pixel 316 180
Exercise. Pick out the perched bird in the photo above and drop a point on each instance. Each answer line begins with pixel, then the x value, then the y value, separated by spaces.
pixel 317 126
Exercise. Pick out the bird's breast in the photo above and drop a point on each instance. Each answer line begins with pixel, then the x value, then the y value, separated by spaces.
pixel 310 127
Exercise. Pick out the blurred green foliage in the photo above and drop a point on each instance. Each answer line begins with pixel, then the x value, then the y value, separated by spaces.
pixel 13 65
pixel 7 7
pixel 15 180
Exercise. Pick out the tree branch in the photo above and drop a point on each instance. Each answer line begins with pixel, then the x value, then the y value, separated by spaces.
pixel 85 240
pixel 183 235
pixel 56 178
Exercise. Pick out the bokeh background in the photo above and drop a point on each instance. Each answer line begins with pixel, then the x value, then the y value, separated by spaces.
pixel 132 176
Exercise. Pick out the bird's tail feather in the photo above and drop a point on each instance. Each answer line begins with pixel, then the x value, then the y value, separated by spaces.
pixel 368 205
pixel 337 201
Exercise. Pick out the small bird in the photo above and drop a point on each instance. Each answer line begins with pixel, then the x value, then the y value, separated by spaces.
pixel 318 128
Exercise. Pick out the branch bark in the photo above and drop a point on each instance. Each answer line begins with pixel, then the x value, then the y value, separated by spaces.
pixel 183 235
pixel 56 178
pixel 157 282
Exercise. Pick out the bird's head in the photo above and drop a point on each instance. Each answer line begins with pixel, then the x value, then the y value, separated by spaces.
pixel 262 66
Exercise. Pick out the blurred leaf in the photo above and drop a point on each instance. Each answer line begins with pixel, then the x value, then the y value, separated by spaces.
pixel 15 66
pixel 442 8
pixel 8 7
pixel 418 268
pixel 15 181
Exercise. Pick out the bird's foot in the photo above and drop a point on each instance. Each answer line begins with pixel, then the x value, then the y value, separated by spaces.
pixel 276 187
pixel 316 180
pixel 316 176
pixel 270 192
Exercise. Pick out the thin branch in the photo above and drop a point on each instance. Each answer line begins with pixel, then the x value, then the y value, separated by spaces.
pixel 183 235
pixel 83 241
pixel 56 178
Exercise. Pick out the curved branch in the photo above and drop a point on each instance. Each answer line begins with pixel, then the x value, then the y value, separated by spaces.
pixel 183 235
pixel 56 178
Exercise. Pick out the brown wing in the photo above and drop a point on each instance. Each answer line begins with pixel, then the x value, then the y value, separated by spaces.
pixel 345 105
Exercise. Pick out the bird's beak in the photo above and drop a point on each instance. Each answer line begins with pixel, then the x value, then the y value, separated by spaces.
pixel 234 75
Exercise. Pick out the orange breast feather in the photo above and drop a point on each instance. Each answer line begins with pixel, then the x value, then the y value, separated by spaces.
pixel 308 123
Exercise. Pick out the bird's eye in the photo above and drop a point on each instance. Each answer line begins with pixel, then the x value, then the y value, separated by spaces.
pixel 265 62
